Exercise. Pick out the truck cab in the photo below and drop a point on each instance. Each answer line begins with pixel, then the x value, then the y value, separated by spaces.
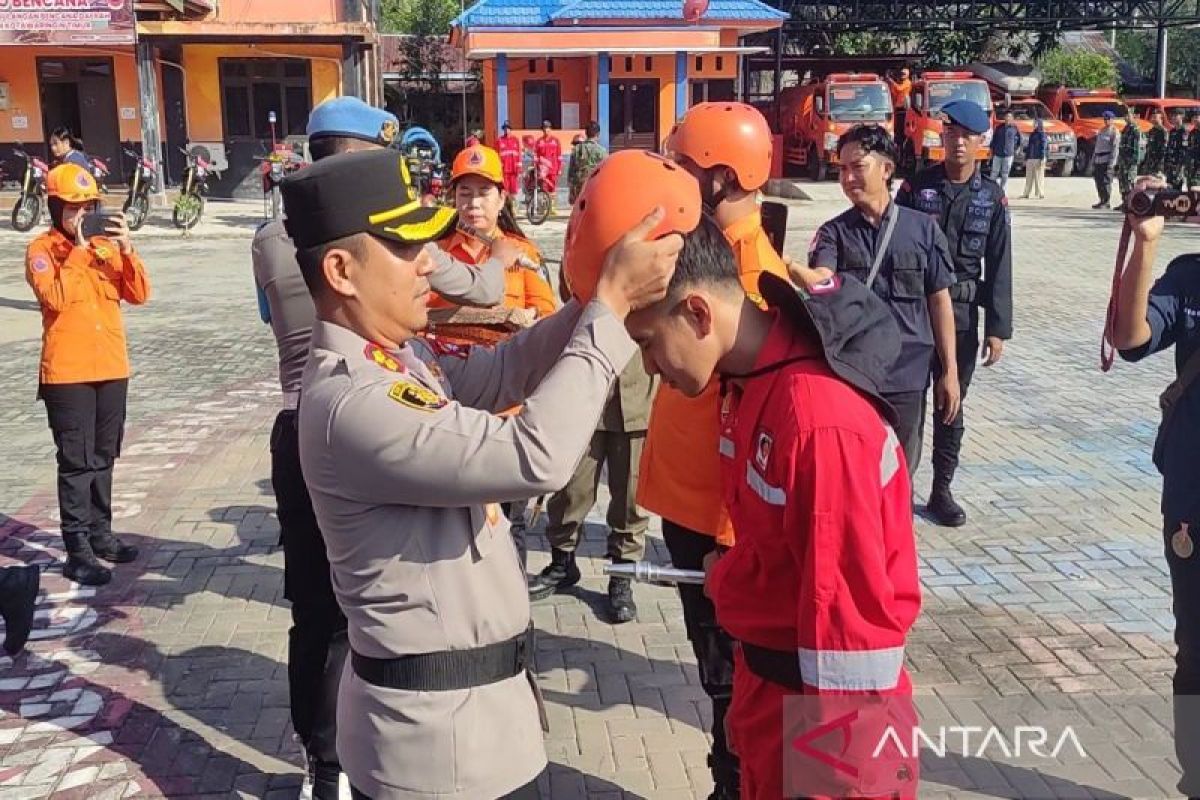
pixel 1145 106
pixel 1083 110
pixel 923 121
pixel 815 115
pixel 1060 139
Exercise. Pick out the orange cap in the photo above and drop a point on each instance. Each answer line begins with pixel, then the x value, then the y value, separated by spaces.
pixel 72 183
pixel 478 160
pixel 620 193
pixel 732 135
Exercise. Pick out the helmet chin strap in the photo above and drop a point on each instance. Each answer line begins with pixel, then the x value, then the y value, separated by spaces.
pixel 712 199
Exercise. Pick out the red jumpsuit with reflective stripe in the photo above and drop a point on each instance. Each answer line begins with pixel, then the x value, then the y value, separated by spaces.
pixel 549 156
pixel 509 148
pixel 825 562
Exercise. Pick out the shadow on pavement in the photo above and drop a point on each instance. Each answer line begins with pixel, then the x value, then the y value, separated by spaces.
pixel 19 305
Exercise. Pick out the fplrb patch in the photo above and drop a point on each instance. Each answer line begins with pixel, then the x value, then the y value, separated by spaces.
pixel 415 396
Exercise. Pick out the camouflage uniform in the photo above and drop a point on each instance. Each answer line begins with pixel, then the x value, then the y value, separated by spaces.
pixel 1177 157
pixel 1194 155
pixel 1130 153
pixel 1156 151
pixel 585 157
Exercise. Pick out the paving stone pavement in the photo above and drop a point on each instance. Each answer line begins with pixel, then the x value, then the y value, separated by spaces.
pixel 1050 607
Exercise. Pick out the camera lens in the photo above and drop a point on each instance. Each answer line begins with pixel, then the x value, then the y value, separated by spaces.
pixel 1141 204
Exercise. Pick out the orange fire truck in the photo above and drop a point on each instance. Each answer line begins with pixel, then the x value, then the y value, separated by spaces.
pixel 814 116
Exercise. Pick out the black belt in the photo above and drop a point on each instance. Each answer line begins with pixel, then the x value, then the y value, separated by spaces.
pixel 448 670
pixel 964 291
pixel 777 666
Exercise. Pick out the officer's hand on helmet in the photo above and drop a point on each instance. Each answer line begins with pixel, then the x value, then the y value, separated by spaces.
pixel 804 275
pixel 636 269
pixel 1147 229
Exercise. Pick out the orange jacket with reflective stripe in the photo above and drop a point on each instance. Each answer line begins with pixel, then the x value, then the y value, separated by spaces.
pixel 80 290
pixel 680 476
pixel 523 288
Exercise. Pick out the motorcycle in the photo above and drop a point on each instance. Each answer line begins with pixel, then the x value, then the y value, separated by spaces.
pixel 282 161
pixel 99 170
pixel 537 199
pixel 142 182
pixel 423 155
pixel 30 203
pixel 189 207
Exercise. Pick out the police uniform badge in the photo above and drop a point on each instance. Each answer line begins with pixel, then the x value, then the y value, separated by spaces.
pixel 415 396
pixel 387 131
pixel 1181 542
pixel 384 359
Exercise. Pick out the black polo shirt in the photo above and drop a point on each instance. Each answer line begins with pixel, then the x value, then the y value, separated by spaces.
pixel 917 264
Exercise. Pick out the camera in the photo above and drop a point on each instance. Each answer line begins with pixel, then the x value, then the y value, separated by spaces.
pixel 1171 203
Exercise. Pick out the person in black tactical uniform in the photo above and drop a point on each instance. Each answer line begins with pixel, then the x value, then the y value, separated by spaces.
pixel 973 213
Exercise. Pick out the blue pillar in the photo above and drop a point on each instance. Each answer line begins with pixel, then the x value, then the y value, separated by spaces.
pixel 501 91
pixel 681 85
pixel 602 97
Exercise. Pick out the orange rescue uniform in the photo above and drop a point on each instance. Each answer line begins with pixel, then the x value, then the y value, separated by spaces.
pixel 80 290
pixel 681 467
pixel 523 288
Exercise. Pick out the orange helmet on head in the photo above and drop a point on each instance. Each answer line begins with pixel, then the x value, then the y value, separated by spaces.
pixel 72 183
pixel 618 195
pixel 732 135
pixel 478 160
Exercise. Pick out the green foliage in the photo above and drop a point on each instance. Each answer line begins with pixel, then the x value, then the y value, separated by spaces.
pixel 1079 69
pixel 1183 54
pixel 418 17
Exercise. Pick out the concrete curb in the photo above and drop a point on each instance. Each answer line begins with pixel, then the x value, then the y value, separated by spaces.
pixel 786 188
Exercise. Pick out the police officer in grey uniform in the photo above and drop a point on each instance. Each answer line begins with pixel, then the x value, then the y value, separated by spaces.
pixel 406 461
pixel 317 640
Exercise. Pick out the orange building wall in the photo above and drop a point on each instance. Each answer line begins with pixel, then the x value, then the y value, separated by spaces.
pixel 18 68
pixel 291 11
pixel 203 83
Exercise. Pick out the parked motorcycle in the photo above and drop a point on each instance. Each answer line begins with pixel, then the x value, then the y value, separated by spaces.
pixel 99 170
pixel 27 211
pixel 189 206
pixel 141 183
pixel 537 199
pixel 282 161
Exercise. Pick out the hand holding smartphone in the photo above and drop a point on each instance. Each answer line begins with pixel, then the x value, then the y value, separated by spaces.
pixel 108 224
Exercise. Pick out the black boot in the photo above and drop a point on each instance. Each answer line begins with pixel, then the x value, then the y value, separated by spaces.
pixel 323 779
pixel 82 566
pixel 621 607
pixel 18 592
pixel 942 507
pixel 112 549
pixel 561 574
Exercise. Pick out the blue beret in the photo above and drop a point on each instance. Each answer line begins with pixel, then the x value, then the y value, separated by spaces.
pixel 967 114
pixel 351 117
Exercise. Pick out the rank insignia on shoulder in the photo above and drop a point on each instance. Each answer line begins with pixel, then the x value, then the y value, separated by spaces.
pixel 415 396
pixel 381 357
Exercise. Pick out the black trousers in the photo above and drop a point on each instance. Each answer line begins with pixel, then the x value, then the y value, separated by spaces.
pixel 947 439
pixel 1103 178
pixel 910 427
pixel 713 646
pixel 317 643
pixel 1183 563
pixel 527 792
pixel 88 423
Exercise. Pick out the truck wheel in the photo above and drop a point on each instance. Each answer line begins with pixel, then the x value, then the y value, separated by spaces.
pixel 816 165
pixel 1063 169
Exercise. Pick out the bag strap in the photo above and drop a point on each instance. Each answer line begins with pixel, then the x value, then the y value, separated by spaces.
pixel 1169 401
pixel 881 251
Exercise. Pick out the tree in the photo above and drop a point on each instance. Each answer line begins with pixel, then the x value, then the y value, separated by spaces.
pixel 1139 48
pixel 1079 69
pixel 418 17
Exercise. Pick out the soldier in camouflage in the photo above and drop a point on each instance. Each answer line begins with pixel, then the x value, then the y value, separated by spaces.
pixel 1177 151
pixel 1130 153
pixel 1156 147
pixel 585 157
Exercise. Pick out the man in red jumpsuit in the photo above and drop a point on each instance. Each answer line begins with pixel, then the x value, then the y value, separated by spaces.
pixel 509 148
pixel 549 157
pixel 821 588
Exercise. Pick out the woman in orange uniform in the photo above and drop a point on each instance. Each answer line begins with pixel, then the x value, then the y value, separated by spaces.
pixel 477 186
pixel 84 369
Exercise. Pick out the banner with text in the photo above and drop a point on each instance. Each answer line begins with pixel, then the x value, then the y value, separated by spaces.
pixel 67 22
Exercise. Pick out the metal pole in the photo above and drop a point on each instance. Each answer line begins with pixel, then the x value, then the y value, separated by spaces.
pixel 778 75
pixel 1160 73
pixel 151 137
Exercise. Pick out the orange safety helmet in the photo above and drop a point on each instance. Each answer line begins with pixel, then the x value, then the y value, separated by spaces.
pixel 617 196
pixel 732 135
pixel 72 183
pixel 478 160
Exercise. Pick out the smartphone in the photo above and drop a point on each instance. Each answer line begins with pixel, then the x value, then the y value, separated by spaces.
pixel 96 223
pixel 774 222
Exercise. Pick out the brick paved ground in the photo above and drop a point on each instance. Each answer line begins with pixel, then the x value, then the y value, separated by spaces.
pixel 171 681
